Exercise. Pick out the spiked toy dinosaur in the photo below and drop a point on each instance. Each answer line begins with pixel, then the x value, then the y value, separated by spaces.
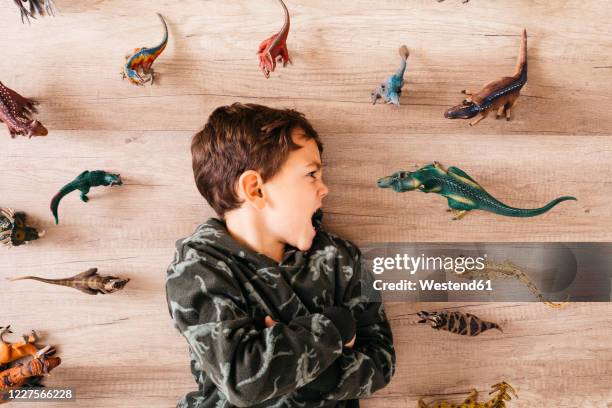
pixel 275 47
pixel 138 67
pixel 41 364
pixel 13 229
pixel 462 192
pixel 87 282
pixel 391 89
pixel 83 182
pixel 15 112
pixel 499 95
pixel 37 7
pixel 503 390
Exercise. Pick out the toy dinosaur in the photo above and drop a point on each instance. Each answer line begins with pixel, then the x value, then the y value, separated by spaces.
pixel 37 7
pixel 83 182
pixel 87 282
pixel 10 352
pixel 15 111
pixel 462 192
pixel 499 95
pixel 17 376
pixel 498 401
pixel 465 324
pixel 507 270
pixel 138 67
pixel 275 47
pixel 13 229
pixel 391 90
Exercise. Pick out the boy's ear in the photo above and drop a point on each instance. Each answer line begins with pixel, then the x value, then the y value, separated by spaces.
pixel 250 189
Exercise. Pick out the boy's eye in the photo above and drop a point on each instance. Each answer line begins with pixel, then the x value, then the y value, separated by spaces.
pixel 313 174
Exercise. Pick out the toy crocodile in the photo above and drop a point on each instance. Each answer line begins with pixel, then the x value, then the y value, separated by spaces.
pixel 498 401
pixel 499 95
pixel 83 182
pixel 15 112
pixel 462 192
pixel 465 324
pixel 391 90
pixel 13 229
pixel 138 67
pixel 37 7
pixel 275 47
pixel 87 282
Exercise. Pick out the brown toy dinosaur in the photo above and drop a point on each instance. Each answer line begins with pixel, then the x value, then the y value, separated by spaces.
pixel 10 352
pixel 499 95
pixel 15 111
pixel 87 282
pixel 275 47
pixel 17 376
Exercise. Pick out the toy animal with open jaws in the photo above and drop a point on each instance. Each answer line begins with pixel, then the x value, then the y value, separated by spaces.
pixel 87 282
pixel 462 192
pixel 138 67
pixel 37 7
pixel 83 182
pixel 503 390
pixel 275 47
pixel 13 229
pixel 499 95
pixel 15 112
pixel 391 90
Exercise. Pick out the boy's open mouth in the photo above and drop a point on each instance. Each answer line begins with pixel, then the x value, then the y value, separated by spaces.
pixel 317 219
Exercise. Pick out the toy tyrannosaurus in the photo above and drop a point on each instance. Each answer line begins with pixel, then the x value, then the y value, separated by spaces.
pixel 83 182
pixel 391 90
pixel 15 111
pixel 138 67
pixel 498 401
pixel 462 192
pixel 87 282
pixel 17 376
pixel 499 95
pixel 465 324
pixel 37 7
pixel 13 229
pixel 275 47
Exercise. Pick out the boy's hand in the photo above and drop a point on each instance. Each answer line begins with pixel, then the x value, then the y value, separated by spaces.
pixel 269 322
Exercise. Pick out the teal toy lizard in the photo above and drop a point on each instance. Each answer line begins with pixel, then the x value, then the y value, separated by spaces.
pixel 462 192
pixel 141 60
pixel 83 182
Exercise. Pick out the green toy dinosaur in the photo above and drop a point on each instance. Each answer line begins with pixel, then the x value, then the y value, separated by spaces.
pixel 463 193
pixel 83 182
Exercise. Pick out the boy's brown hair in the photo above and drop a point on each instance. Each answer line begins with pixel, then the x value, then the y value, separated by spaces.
pixel 238 138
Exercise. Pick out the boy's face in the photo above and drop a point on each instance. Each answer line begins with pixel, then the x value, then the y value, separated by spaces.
pixel 295 193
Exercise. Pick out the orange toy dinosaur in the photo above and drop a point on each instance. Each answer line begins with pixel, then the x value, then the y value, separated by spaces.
pixel 10 352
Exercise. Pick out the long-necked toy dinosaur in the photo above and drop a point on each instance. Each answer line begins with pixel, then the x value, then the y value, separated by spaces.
pixel 465 324
pixel 15 112
pixel 138 67
pixel 275 47
pixel 37 7
pixel 391 90
pixel 503 390
pixel 87 282
pixel 13 229
pixel 83 182
pixel 499 95
pixel 462 192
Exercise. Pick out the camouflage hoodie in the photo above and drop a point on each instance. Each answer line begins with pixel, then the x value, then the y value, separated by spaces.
pixel 219 292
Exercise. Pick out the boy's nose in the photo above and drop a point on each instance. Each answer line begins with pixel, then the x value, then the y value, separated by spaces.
pixel 323 190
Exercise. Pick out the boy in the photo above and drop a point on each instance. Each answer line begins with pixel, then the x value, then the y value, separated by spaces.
pixel 269 304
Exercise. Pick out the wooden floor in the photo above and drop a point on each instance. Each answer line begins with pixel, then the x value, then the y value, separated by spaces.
pixel 121 350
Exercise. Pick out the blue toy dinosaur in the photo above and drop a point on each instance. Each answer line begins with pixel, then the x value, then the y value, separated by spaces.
pixel 391 89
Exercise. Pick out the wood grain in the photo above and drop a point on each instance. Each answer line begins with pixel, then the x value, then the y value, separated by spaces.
pixel 121 350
